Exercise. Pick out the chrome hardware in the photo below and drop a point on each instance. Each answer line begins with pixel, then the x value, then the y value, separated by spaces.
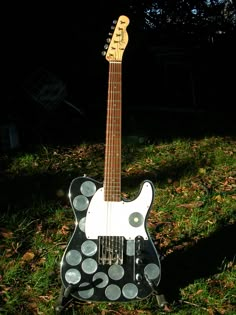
pixel 110 250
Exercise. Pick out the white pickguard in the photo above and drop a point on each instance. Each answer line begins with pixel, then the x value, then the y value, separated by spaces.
pixel 113 218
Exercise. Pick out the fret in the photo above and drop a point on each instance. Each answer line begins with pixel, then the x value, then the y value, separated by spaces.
pixel 111 176
pixel 113 109
pixel 114 132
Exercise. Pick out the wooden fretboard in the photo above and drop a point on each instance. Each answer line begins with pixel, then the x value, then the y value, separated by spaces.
pixel 112 171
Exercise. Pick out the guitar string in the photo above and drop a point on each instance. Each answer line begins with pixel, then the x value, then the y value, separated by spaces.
pixel 108 148
pixel 114 137
pixel 112 185
pixel 111 151
pixel 118 130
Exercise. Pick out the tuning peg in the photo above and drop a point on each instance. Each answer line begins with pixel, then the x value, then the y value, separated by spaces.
pixel 103 53
pixel 114 22
pixel 106 46
pixel 108 40
pixel 112 27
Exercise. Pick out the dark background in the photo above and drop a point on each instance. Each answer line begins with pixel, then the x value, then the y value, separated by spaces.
pixel 178 69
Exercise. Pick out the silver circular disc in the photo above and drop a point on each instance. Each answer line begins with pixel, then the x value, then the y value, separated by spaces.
pixel 89 265
pixel 82 224
pixel 88 188
pixel 113 292
pixel 136 219
pixel 72 276
pixel 130 291
pixel 104 277
pixel 116 272
pixel 80 203
pixel 152 271
pixel 73 257
pixel 89 248
pixel 85 294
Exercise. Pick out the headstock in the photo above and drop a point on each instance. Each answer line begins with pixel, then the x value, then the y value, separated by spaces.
pixel 118 41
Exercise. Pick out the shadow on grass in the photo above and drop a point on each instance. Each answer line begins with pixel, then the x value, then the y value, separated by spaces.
pixel 20 191
pixel 208 257
pixel 162 174
pixel 180 268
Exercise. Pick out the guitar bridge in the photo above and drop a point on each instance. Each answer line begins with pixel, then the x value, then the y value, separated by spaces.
pixel 110 250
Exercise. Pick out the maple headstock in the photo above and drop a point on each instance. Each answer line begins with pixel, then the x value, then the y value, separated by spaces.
pixel 118 42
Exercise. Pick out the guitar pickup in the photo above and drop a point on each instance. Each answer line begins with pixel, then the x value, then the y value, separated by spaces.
pixel 110 250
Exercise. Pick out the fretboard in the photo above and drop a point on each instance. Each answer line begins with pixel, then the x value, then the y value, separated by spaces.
pixel 112 171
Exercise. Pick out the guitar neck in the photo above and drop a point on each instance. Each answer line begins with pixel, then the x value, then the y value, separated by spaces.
pixel 112 171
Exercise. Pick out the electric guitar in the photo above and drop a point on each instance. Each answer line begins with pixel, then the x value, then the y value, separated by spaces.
pixel 110 256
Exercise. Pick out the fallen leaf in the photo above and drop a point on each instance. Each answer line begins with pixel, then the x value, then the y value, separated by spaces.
pixel 64 230
pixel 41 261
pixel 218 198
pixel 28 256
pixel 6 233
pixel 202 171
pixel 9 253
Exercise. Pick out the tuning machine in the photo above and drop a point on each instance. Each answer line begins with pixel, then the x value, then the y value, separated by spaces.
pixel 105 47
pixel 114 22
pixel 108 40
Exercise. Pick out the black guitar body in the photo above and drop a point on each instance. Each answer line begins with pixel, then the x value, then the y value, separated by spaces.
pixel 112 267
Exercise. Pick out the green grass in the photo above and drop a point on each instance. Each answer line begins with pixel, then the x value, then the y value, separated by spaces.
pixel 192 221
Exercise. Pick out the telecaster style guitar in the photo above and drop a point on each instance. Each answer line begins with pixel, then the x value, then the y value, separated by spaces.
pixel 110 256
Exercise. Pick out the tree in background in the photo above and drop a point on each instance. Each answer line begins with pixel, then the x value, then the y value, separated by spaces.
pixel 200 19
